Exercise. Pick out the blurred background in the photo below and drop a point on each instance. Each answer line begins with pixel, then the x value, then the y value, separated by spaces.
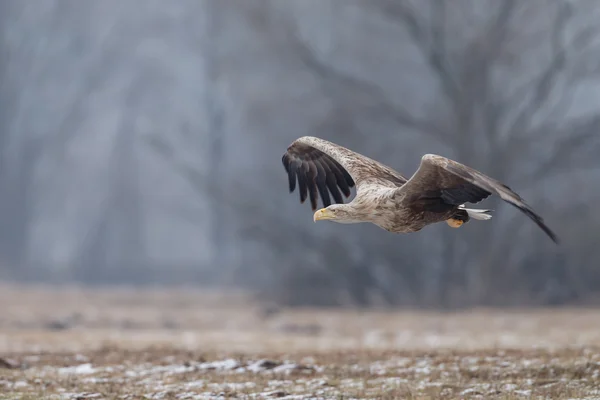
pixel 141 143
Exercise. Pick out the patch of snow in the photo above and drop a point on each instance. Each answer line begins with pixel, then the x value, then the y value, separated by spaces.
pixel 287 368
pixel 394 381
pixel 278 383
pixel 378 368
pixel 433 384
pixel 317 382
pixel 470 360
pixel 81 358
pixel 352 383
pixel 145 370
pixel 95 380
pixel 403 362
pixel 275 393
pixel 82 395
pixel 155 396
pixel 224 365
pixel 187 396
pixel 471 391
pixel 82 369
pixel 195 384
pixel 423 367
pixel 276 367
pixel 261 365
pixel 232 386
pixel 308 360
pixel 523 392
pixel 528 363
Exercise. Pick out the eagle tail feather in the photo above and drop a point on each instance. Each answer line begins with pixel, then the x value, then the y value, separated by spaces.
pixel 478 214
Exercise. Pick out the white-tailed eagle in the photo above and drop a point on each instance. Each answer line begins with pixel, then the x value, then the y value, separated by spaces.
pixel 436 192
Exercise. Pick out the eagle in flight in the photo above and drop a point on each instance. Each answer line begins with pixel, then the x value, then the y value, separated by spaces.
pixel 436 192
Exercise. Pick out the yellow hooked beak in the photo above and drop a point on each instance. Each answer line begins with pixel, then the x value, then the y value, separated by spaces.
pixel 322 214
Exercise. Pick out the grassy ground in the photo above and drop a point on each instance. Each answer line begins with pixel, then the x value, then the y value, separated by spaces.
pixel 70 343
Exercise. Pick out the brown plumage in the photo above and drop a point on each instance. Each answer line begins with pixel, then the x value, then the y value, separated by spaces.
pixel 436 192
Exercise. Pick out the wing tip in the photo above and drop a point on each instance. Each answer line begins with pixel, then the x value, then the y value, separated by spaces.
pixel 553 236
pixel 540 222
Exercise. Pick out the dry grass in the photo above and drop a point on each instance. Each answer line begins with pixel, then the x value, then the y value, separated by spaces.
pixel 173 344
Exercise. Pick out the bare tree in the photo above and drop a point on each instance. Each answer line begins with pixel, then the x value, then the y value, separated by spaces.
pixel 479 118
pixel 494 93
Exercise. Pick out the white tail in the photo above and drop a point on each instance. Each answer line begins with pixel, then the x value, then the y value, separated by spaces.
pixel 481 215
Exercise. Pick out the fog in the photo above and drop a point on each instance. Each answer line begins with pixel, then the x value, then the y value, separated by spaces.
pixel 141 143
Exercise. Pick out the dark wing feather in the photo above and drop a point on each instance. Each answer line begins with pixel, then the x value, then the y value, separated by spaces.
pixel 311 177
pixel 322 168
pixel 300 172
pixel 459 193
pixel 331 182
pixel 322 184
pixel 291 177
pixel 343 180
pixel 316 173
pixel 456 184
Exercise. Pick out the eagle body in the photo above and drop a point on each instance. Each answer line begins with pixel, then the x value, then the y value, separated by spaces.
pixel 436 192
pixel 388 209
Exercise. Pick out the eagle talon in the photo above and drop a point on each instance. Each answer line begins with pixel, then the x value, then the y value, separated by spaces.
pixel 454 223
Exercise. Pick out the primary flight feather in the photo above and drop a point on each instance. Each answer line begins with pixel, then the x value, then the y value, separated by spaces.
pixel 436 192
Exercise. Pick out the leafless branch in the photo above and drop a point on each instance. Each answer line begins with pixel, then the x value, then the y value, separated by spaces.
pixel 376 102
pixel 574 149
pixel 192 174
pixel 429 40
pixel 543 85
pixel 495 38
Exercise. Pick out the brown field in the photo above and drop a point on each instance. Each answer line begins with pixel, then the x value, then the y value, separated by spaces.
pixel 70 343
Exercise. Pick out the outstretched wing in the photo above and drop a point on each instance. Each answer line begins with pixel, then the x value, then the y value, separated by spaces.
pixel 453 183
pixel 321 167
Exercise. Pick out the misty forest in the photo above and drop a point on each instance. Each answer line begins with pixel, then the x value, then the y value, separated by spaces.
pixel 141 143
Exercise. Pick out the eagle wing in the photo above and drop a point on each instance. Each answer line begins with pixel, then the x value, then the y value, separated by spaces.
pixel 440 180
pixel 320 167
